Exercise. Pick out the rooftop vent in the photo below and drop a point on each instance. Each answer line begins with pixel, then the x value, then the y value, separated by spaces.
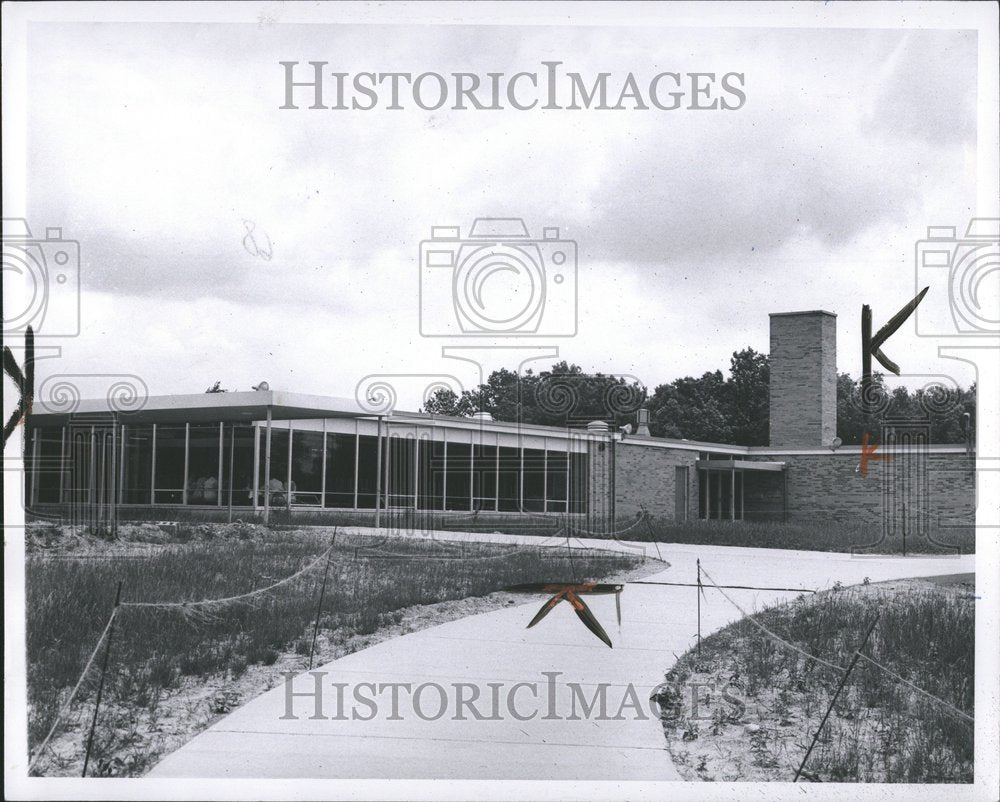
pixel 482 416
pixel 598 426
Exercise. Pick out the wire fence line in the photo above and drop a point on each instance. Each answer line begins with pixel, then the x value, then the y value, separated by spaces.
pixel 961 714
pixel 230 599
pixel 202 608
pixel 192 608
pixel 69 701
pixel 767 631
pixel 184 607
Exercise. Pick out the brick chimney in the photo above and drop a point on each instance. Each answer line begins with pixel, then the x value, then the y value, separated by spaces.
pixel 803 379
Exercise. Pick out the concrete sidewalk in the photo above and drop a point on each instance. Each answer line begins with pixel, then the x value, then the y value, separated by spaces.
pixel 555 740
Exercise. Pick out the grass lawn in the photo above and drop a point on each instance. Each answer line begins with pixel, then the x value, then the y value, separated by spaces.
pixel 371 586
pixel 760 703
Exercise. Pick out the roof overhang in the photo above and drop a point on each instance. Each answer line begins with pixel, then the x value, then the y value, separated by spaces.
pixel 739 465
pixel 202 407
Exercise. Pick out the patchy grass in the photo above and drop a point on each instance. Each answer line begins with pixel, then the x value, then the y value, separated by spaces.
pixel 813 536
pixel 371 583
pixel 760 703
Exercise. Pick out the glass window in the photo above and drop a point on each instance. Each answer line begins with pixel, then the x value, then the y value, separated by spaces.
pixel 556 481
pixel 401 490
pixel 508 496
pixel 459 485
pixel 307 467
pixel 484 477
pixel 279 466
pixel 48 467
pixel 533 484
pixel 702 497
pixel 203 464
pixel 715 493
pixel 367 470
pixel 340 450
pixel 738 494
pixel 237 441
pixel 725 496
pixel 169 464
pixel 78 458
pixel 430 475
pixel 138 466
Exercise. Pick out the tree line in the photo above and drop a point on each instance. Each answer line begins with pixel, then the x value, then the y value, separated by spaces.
pixel 712 408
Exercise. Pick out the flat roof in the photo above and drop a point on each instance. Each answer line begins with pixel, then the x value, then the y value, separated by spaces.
pixel 200 407
pixel 248 406
pixel 807 312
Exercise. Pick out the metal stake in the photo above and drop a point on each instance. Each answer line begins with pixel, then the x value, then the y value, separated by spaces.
pixel 322 592
pixel 904 528
pixel 232 478
pixel 267 470
pixel 378 475
pixel 100 685
pixel 843 681
pixel 698 564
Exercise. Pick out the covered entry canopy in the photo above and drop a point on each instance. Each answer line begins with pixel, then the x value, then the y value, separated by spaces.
pixel 738 465
pixel 199 408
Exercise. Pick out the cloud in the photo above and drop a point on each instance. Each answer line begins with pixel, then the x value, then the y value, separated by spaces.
pixel 160 147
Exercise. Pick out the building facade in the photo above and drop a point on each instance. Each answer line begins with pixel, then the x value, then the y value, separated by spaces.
pixel 269 454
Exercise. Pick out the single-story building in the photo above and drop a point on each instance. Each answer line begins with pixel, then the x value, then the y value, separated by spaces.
pixel 266 453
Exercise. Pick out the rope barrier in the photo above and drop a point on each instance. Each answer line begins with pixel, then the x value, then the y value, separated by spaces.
pixel 69 701
pixel 577 530
pixel 960 713
pixel 228 599
pixel 764 629
pixel 732 587
pixel 192 605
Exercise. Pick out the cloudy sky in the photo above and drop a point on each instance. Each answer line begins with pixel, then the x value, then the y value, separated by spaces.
pixel 159 146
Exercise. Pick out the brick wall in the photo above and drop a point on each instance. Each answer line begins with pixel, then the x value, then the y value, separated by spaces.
pixel 645 477
pixel 803 385
pixel 932 490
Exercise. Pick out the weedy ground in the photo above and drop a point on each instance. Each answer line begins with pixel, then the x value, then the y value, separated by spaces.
pixel 760 703
pixel 163 659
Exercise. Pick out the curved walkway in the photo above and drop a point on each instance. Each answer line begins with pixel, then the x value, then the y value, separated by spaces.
pixel 536 731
